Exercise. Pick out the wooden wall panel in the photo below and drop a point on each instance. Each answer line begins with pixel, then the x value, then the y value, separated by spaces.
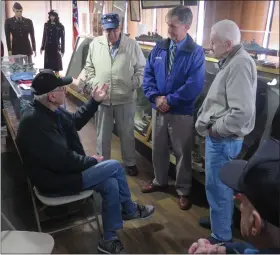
pixel 250 16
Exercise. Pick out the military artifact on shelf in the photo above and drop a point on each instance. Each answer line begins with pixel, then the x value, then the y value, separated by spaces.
pixel 253 47
pixel 151 37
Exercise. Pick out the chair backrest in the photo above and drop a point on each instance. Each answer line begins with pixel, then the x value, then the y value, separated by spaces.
pixel 10 225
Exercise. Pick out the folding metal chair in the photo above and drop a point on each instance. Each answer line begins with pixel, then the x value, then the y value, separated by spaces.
pixel 57 201
pixel 25 242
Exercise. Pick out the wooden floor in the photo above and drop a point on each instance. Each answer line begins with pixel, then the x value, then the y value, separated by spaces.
pixel 170 230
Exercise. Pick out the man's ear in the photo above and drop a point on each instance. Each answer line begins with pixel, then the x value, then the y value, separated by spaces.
pixel 256 224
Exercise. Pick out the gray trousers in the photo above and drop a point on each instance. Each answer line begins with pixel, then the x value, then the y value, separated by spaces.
pixel 123 116
pixel 175 130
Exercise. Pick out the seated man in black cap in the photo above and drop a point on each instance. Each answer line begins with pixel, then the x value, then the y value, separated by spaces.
pixel 20 28
pixel 56 163
pixel 257 185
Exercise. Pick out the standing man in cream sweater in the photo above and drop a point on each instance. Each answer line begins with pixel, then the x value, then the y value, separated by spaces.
pixel 225 117
pixel 117 60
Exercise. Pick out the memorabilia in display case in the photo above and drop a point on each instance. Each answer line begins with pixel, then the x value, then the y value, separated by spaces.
pixel 17 74
pixel 267 101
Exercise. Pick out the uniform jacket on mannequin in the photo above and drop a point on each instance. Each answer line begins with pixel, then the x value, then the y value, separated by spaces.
pixel 20 29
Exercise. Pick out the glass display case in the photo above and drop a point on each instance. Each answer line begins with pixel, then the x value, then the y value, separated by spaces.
pixel 267 101
pixel 15 96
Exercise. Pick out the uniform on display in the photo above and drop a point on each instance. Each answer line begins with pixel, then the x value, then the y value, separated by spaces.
pixel 53 42
pixel 20 28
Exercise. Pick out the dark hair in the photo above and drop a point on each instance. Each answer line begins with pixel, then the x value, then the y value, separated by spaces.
pixel 183 13
pixel 55 14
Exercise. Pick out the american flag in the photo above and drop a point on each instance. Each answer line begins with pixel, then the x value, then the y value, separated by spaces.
pixel 75 22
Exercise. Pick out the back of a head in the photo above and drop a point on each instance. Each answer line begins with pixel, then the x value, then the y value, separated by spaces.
pixel 227 30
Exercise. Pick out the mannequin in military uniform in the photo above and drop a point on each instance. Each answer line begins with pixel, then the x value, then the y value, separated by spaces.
pixel 53 42
pixel 20 28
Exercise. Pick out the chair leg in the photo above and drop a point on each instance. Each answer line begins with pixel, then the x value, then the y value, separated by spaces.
pixel 96 215
pixel 35 207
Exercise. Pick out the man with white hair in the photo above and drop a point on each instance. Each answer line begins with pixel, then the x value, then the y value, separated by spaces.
pixel 225 117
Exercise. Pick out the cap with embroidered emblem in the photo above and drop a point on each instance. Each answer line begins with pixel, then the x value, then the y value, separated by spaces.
pixel 46 81
pixel 110 20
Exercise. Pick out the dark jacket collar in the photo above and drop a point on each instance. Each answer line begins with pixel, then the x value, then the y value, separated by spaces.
pixel 187 46
pixel 39 106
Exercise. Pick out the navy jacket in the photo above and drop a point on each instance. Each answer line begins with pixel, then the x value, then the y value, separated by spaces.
pixel 185 81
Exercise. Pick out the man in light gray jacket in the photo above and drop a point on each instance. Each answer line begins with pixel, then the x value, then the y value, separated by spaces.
pixel 225 117
pixel 117 60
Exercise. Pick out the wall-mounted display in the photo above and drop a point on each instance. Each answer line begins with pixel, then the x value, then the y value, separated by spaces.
pixel 159 4
pixel 135 13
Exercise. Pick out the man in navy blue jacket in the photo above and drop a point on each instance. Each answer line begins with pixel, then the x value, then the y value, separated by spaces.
pixel 173 78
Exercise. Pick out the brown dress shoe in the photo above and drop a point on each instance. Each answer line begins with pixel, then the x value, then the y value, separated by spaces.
pixel 184 203
pixel 148 188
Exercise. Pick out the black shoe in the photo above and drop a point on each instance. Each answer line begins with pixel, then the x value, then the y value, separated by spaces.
pixel 213 241
pixel 111 247
pixel 132 170
pixel 143 212
pixel 205 222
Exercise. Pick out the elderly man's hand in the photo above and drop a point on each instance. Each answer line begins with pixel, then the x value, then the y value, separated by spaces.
pixel 161 104
pixel 98 158
pixel 99 93
pixel 203 246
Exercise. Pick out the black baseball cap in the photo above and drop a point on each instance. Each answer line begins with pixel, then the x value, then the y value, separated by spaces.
pixel 258 179
pixel 46 81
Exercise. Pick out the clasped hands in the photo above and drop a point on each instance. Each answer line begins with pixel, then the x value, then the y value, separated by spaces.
pixel 161 104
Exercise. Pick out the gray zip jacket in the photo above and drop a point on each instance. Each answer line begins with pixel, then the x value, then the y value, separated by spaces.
pixel 229 107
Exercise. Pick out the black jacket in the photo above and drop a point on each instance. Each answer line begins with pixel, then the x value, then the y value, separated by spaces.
pixel 20 31
pixel 50 147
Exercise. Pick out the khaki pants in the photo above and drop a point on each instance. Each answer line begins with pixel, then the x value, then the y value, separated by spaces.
pixel 176 129
pixel 123 116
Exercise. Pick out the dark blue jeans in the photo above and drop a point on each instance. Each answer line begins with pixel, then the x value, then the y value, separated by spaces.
pixel 108 179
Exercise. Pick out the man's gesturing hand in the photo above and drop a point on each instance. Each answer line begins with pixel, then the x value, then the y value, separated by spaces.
pixel 99 93
pixel 161 104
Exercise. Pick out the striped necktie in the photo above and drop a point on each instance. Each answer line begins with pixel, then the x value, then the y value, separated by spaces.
pixel 172 53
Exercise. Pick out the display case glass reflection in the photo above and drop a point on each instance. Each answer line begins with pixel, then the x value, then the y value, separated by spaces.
pixel 76 67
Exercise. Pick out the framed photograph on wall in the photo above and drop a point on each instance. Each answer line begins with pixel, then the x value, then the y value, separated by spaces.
pixel 159 4
pixel 135 12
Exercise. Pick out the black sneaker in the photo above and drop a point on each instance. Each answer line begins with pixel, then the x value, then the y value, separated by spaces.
pixel 132 170
pixel 143 212
pixel 111 247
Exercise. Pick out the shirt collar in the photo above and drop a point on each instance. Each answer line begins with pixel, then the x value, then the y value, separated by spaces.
pixel 178 45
